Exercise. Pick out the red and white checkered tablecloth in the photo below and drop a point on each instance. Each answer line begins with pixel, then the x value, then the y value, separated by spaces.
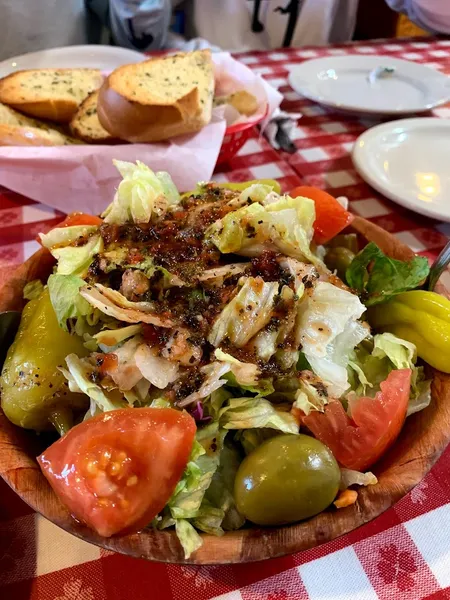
pixel 405 553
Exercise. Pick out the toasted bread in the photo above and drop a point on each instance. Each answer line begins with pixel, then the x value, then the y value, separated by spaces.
pixel 9 116
pixel 19 130
pixel 159 98
pixel 86 126
pixel 17 135
pixel 244 102
pixel 53 94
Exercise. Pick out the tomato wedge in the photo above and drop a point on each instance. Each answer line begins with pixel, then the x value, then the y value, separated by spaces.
pixel 357 443
pixel 331 217
pixel 115 472
pixel 78 218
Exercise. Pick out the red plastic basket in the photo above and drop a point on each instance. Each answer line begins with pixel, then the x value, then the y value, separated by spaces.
pixel 235 138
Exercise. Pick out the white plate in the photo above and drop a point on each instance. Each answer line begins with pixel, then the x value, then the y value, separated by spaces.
pixel 341 82
pixel 408 161
pixel 105 58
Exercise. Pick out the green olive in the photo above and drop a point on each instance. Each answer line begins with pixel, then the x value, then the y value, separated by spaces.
pixel 286 479
pixel 34 392
pixel 339 259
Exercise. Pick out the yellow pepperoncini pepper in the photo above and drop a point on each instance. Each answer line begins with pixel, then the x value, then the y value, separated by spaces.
pixel 240 187
pixel 422 318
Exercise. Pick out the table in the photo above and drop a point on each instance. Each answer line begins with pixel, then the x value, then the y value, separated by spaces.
pixel 405 553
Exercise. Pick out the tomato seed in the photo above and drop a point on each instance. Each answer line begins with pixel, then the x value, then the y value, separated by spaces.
pixel 132 481
pixel 105 457
pixel 91 468
pixel 115 468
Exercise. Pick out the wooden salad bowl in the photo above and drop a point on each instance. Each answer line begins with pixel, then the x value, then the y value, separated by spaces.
pixel 421 442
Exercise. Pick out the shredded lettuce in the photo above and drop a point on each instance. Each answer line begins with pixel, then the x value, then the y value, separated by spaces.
pixel 67 303
pixel 220 493
pixel 250 439
pixel 77 374
pixel 401 353
pixel 142 195
pixel 159 371
pixel 188 536
pixel 284 225
pixel 33 289
pixel 215 402
pixel 267 341
pixel 332 369
pixel 311 395
pixel 126 373
pixel 189 493
pixel 328 329
pixel 248 413
pixel 248 312
pixel 77 259
pixel 64 236
pixel 257 192
pixel 372 362
pixel 209 519
pixel 109 339
pixel 114 304
pixel 246 374
pixel 324 315
pixel 213 373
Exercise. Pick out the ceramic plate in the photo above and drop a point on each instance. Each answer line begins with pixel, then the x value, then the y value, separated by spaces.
pixel 408 161
pixel 105 58
pixel 342 82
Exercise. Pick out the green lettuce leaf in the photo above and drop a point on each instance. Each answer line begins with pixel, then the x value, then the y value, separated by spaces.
pixel 78 375
pixel 213 380
pixel 75 260
pixel 189 493
pixel 268 340
pixel 248 413
pixel 114 304
pixel 401 353
pixel 311 394
pixel 257 192
pixel 328 329
pixel 33 289
pixel 284 225
pixel 244 375
pixel 209 519
pixel 64 236
pixel 67 303
pixel 250 439
pixel 108 339
pixel 377 277
pixel 189 538
pixel 220 493
pixel 372 361
pixel 142 195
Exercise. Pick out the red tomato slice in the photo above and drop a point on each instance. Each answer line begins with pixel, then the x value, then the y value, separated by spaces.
pixel 359 442
pixel 331 217
pixel 115 472
pixel 80 219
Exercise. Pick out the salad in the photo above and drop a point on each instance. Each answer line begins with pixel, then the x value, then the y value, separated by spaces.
pixel 209 360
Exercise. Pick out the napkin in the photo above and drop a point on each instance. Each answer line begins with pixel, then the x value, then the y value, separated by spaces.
pixel 280 118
